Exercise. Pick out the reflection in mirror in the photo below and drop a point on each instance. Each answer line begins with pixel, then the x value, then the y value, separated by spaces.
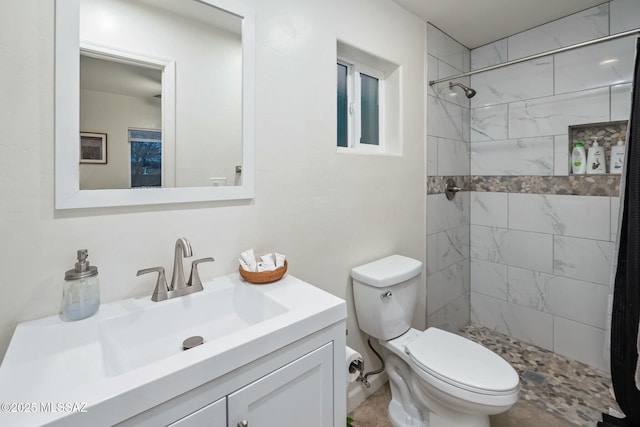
pixel 123 101
pixel 206 45
pixel 170 85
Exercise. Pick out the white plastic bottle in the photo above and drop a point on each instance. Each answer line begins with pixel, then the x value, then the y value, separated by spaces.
pixel 617 157
pixel 596 161
pixel 578 158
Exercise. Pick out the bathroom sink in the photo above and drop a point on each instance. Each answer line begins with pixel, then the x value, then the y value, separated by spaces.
pixel 137 338
pixel 128 358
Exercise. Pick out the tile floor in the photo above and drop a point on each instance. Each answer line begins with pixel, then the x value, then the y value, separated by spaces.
pixel 554 391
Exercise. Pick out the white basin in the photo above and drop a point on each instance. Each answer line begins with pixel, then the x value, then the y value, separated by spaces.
pixel 128 358
pixel 138 338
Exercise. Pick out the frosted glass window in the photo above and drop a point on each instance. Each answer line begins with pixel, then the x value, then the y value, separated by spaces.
pixel 343 107
pixel 369 115
pixel 360 100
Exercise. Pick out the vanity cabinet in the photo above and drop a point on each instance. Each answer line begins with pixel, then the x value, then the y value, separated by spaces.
pixel 299 393
pixel 296 385
pixel 284 366
pixel 212 415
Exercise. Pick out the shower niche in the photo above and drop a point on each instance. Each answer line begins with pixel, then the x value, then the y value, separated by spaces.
pixel 608 134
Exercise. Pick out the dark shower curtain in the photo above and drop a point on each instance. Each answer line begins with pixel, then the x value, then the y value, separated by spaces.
pixel 626 295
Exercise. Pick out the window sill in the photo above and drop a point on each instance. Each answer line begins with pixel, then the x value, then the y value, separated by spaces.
pixel 345 150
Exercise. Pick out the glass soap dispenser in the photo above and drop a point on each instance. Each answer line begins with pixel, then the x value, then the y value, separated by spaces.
pixel 81 290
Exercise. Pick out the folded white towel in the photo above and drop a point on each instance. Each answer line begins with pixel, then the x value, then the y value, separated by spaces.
pixel 268 262
pixel 248 260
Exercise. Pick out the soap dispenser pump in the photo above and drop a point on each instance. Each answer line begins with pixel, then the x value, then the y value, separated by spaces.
pixel 81 290
pixel 595 158
pixel 617 157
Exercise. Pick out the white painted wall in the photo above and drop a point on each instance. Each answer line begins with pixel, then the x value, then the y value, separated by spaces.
pixel 327 212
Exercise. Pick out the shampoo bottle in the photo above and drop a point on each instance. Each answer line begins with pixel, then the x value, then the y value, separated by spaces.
pixel 617 157
pixel 578 158
pixel 595 159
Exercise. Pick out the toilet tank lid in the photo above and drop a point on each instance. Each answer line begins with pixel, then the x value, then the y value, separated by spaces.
pixel 387 271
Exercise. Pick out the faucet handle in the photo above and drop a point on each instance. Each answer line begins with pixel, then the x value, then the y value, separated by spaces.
pixel 194 277
pixel 161 291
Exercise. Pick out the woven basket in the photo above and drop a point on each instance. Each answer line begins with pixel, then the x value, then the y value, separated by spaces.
pixel 263 277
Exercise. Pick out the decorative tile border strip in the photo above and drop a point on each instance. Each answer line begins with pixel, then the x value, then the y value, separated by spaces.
pixel 579 185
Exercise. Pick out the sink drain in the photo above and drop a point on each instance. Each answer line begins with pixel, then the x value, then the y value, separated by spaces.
pixel 192 342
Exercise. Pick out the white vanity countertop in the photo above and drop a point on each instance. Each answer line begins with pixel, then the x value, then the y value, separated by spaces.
pixel 50 361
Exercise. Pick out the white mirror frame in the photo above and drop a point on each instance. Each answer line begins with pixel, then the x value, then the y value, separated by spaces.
pixel 67 123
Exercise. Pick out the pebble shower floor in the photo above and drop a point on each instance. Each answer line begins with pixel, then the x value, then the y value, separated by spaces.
pixel 564 387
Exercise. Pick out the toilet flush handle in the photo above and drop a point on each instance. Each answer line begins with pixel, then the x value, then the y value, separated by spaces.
pixel 386 295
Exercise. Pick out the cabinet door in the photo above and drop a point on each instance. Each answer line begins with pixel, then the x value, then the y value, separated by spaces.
pixel 213 415
pixel 298 394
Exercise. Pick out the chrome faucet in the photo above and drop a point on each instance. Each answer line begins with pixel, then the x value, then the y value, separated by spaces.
pixel 179 286
pixel 182 248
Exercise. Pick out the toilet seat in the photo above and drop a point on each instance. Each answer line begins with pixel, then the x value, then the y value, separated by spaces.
pixel 461 363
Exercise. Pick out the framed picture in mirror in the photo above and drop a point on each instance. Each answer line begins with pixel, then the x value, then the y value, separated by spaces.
pixel 93 147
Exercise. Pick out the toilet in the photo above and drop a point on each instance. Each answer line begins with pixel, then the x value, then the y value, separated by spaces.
pixel 437 378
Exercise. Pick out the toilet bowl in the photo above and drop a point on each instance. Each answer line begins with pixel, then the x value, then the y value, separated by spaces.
pixel 437 378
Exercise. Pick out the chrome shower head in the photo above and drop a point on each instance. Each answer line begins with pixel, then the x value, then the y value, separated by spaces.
pixel 468 92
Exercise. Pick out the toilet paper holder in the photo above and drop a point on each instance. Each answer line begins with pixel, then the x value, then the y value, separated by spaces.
pixel 358 366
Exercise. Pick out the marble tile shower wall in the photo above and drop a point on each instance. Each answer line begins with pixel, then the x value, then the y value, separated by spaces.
pixel 540 267
pixel 448 281
pixel 540 263
pixel 521 113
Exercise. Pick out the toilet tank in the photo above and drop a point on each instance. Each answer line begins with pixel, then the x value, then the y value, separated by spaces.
pixel 385 293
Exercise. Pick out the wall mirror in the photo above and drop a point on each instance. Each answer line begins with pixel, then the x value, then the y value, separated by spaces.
pixel 154 102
